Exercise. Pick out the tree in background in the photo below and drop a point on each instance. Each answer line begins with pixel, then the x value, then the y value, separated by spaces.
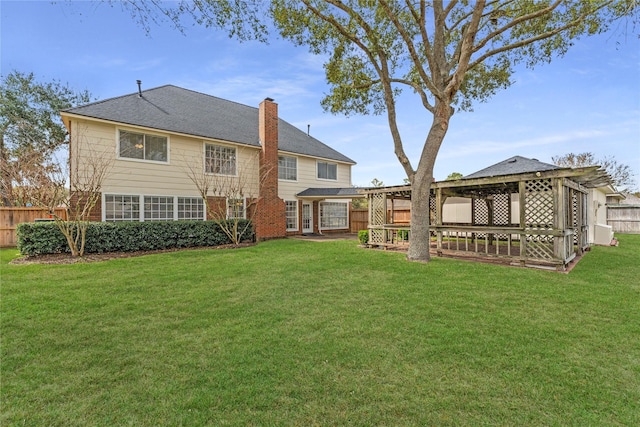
pixel 453 176
pixel 448 54
pixel 375 182
pixel 31 132
pixel 363 203
pixel 621 175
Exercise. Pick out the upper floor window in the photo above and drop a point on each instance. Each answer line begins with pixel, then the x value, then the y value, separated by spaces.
pixel 327 170
pixel 220 160
pixel 287 168
pixel 143 146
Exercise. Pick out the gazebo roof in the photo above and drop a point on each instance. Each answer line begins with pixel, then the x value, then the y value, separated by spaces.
pixel 511 166
pixel 503 177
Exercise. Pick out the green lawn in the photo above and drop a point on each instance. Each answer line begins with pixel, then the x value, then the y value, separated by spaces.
pixel 305 333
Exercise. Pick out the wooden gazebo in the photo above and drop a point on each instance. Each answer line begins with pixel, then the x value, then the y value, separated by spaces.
pixel 530 218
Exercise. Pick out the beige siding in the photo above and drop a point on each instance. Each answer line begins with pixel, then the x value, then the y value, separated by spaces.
pixel 307 178
pixel 457 210
pixel 154 178
pixel 596 211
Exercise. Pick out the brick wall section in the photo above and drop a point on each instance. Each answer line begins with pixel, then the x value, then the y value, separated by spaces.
pixel 217 205
pixel 270 221
pixel 96 212
pixel 316 217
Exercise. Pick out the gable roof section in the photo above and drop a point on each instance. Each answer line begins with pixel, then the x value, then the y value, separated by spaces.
pixel 174 109
pixel 512 166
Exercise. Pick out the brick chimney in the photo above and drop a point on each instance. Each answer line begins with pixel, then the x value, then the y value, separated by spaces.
pixel 269 219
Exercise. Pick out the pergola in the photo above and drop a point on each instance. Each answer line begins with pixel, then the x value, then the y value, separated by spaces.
pixel 533 218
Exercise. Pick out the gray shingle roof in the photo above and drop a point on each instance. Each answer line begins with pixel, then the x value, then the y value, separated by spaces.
pixel 174 109
pixel 511 166
pixel 330 192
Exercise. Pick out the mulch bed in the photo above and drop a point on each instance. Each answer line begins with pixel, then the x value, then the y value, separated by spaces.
pixel 66 258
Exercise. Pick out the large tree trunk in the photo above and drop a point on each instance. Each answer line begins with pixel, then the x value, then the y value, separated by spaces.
pixel 419 241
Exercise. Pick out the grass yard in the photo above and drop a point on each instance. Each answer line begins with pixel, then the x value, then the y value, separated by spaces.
pixel 303 333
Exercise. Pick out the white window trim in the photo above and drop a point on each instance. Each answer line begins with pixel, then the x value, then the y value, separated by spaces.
pixel 320 227
pixel 144 132
pixel 176 206
pixel 297 169
pixel 173 203
pixel 244 207
pixel 204 158
pixel 297 227
pixel 141 204
pixel 326 179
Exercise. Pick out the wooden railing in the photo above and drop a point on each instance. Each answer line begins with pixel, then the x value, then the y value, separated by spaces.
pixel 522 245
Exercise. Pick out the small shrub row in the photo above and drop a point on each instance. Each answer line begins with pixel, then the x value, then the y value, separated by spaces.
pixel 46 238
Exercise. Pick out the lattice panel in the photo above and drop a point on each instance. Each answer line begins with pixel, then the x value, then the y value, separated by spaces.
pixel 539 247
pixel 502 209
pixel 433 212
pixel 575 216
pixel 539 204
pixel 378 209
pixel 480 212
pixel 376 237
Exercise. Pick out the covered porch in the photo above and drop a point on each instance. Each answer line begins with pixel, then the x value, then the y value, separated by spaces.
pixel 534 218
pixel 325 210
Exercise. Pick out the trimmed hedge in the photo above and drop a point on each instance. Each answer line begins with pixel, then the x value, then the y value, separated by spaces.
pixel 363 237
pixel 45 237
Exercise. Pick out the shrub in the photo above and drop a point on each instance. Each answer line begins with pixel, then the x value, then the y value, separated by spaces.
pixel 46 238
pixel 363 237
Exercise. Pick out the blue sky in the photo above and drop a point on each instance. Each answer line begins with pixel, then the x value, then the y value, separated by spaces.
pixel 589 100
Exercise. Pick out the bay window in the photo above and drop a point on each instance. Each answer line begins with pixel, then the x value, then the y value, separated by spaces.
pixel 334 215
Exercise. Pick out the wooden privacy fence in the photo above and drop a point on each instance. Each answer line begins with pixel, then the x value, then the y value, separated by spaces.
pixel 624 218
pixel 11 217
pixel 359 218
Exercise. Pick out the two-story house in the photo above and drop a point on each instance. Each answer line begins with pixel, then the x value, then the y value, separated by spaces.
pixel 161 141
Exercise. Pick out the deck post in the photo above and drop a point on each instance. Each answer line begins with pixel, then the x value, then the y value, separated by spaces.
pixel 523 222
pixel 559 221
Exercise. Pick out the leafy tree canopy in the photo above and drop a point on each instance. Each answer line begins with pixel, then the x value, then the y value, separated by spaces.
pixel 30 132
pixel 30 112
pixel 621 174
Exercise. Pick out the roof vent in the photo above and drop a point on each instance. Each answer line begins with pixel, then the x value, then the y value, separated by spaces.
pixel 139 88
pixel 513 160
